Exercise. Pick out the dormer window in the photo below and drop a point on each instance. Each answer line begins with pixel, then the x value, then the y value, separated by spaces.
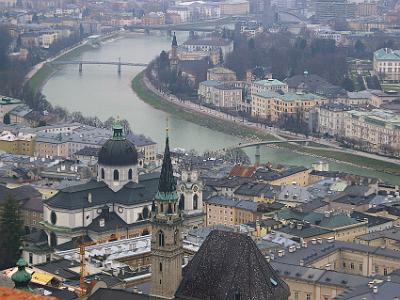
pixel 116 175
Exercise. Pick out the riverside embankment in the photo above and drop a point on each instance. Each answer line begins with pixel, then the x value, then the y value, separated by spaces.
pixel 250 131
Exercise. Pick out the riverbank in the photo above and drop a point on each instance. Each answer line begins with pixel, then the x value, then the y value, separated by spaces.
pixel 140 86
pixel 202 119
pixel 42 72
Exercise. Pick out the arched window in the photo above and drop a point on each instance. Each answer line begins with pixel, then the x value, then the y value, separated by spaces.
pixel 116 175
pixel 182 202
pixel 161 238
pixel 53 239
pixel 176 236
pixel 169 211
pixel 102 173
pixel 130 174
pixel 195 201
pixel 145 212
pixel 238 295
pixel 160 267
pixel 53 218
pixel 145 232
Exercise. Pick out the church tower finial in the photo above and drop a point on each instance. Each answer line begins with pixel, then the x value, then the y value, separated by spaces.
pixel 174 53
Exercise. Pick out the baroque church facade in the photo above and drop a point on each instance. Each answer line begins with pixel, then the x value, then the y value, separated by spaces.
pixel 117 204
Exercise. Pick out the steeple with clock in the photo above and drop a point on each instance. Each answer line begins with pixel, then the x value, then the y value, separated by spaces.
pixel 166 240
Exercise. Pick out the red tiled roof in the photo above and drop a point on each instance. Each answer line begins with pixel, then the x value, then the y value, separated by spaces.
pixel 13 294
pixel 242 171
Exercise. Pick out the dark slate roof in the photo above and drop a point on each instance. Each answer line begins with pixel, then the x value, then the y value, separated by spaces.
pixel 372 220
pixel 61 268
pixel 258 189
pixel 385 291
pixel 21 193
pixel 314 84
pixel 118 153
pixel 392 234
pixel 76 197
pixel 139 140
pixel 63 294
pixel 88 151
pixel 74 243
pixel 107 294
pixel 270 174
pixel 34 204
pixel 229 263
pixel 228 182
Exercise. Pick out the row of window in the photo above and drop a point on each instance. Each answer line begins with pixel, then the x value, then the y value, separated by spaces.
pixel 116 174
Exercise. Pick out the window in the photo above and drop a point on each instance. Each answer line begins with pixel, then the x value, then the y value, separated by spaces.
pixel 53 218
pixel 161 238
pixel 182 202
pixel 30 258
pixel 102 173
pixel 195 201
pixel 360 267
pixel 296 295
pixel 352 266
pixel 344 265
pixel 145 212
pixel 130 174
pixel 308 296
pixel 385 271
pixel 376 270
pixel 116 175
pixel 160 267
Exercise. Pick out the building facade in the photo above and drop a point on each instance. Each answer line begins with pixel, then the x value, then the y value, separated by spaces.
pixel 386 63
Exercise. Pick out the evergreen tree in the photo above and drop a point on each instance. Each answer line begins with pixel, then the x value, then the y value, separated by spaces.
pixel 10 232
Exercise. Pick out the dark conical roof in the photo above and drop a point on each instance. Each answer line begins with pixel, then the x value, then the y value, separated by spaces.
pixel 228 264
pixel 118 151
pixel 167 182
pixel 174 41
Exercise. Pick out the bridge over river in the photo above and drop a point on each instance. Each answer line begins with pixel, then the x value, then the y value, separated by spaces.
pixel 80 63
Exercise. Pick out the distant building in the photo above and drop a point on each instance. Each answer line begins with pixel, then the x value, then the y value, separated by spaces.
pixel 221 94
pixel 387 64
pixel 327 10
pixel 234 7
pixel 154 18
pixel 221 74
pixel 274 105
pixel 17 144
pixel 331 119
pixel 209 45
pixel 6 105
pixel 268 85
pixel 379 129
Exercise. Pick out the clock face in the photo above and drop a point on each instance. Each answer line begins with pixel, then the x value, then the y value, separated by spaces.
pixel 195 188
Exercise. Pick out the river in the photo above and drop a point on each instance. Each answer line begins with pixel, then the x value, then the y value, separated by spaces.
pixel 100 91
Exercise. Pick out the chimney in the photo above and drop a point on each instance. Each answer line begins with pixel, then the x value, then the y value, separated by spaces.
pixel 102 222
pixel 388 278
pixel 89 197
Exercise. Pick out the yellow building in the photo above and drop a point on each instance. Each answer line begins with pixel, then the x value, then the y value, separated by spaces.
pixel 273 105
pixel 17 144
pixel 234 7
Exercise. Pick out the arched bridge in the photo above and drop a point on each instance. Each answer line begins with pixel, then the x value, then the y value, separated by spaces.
pixel 258 144
pixel 247 145
pixel 80 63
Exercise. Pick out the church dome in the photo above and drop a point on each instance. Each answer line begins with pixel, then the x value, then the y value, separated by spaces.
pixel 118 151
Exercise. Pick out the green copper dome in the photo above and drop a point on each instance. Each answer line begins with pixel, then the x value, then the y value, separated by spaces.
pixel 118 151
pixel 21 278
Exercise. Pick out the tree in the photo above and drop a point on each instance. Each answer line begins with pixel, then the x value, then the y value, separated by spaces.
pixel 359 48
pixel 348 84
pixel 10 232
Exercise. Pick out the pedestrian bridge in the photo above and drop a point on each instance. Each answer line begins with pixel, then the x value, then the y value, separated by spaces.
pixel 80 63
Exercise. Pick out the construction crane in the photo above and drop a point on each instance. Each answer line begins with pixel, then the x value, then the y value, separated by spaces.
pixel 82 251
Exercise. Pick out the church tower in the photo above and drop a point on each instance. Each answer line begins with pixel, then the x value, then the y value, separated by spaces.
pixel 174 53
pixel 166 240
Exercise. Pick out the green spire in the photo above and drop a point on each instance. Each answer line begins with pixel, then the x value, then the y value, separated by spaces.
pixel 22 278
pixel 167 182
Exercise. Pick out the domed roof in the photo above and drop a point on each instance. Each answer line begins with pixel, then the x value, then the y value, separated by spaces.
pixel 118 151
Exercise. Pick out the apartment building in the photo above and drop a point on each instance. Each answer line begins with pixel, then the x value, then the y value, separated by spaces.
pixel 268 85
pixel 221 74
pixel 221 94
pixel 378 128
pixel 386 63
pixel 228 212
pixel 331 119
pixel 234 7
pixel 17 144
pixel 274 105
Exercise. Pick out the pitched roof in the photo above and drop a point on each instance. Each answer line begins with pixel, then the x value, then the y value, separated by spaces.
pixel 242 171
pixel 228 264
